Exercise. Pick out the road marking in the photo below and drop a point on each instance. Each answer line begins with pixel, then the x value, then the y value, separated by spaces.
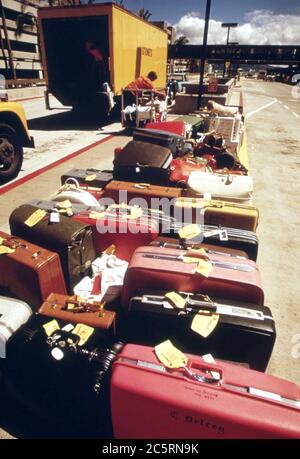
pixel 293 100
pixel 261 108
pixel 285 106
pixel 296 115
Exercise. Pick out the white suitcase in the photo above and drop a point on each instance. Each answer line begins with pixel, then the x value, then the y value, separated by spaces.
pixel 71 191
pixel 13 314
pixel 221 186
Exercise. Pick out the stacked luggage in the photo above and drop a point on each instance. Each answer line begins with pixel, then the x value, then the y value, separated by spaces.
pixel 135 294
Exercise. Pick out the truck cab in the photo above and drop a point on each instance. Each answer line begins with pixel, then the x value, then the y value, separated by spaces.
pixel 14 136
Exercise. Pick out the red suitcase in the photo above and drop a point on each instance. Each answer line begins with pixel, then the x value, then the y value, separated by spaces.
pixel 125 234
pixel 174 127
pixel 167 269
pixel 181 169
pixel 149 401
pixel 31 272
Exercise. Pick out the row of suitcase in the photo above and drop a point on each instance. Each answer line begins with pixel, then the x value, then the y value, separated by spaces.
pixel 245 333
pixel 105 388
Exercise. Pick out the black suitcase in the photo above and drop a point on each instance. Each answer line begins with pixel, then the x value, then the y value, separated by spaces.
pixel 143 162
pixel 72 240
pixel 245 332
pixel 88 177
pixel 58 380
pixel 233 238
pixel 165 139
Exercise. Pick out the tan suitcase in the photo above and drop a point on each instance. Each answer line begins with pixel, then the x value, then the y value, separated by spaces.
pixel 233 215
pixel 69 309
pixel 116 191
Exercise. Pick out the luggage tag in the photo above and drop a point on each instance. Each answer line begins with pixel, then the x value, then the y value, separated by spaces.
pixel 176 300
pixel 90 178
pixel 94 215
pixel 5 250
pixel 173 358
pixel 84 332
pixel 223 235
pixel 54 217
pixel 189 231
pixel 51 327
pixel 64 204
pixel 170 356
pixel 204 323
pixel 204 268
pixel 35 218
pixel 208 358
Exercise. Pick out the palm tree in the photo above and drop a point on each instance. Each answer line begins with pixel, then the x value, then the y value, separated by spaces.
pixel 182 40
pixel 144 14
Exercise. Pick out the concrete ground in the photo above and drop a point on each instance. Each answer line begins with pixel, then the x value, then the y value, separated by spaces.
pixel 272 118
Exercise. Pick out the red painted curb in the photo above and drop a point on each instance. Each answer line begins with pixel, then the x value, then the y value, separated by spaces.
pixel 10 186
pixel 25 98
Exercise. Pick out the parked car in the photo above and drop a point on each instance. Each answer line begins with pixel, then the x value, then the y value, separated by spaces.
pixel 14 136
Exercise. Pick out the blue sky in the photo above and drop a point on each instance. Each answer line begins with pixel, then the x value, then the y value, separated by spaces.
pixel 221 10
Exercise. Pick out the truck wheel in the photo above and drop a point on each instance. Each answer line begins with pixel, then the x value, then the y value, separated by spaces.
pixel 11 153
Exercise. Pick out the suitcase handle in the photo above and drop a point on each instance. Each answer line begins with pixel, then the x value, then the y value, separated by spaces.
pixel 210 372
pixel 142 186
pixel 71 181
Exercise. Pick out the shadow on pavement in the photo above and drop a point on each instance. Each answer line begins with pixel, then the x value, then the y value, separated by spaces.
pixel 70 121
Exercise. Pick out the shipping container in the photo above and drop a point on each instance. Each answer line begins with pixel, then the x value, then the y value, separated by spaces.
pixel 88 45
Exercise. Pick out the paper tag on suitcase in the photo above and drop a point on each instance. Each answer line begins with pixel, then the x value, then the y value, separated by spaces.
pixel 189 232
pixel 201 252
pixel 35 218
pixel 204 323
pixel 64 204
pixel 54 217
pixel 90 178
pixel 97 215
pixel 170 356
pixel 176 300
pixel 6 250
pixel 84 332
pixel 204 268
pixel 51 327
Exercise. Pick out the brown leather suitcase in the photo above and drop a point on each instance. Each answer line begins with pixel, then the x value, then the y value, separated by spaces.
pixel 30 272
pixel 72 240
pixel 69 309
pixel 121 191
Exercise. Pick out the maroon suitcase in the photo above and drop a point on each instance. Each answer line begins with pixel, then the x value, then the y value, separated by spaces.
pixel 125 234
pixel 204 401
pixel 171 243
pixel 172 269
pixel 31 272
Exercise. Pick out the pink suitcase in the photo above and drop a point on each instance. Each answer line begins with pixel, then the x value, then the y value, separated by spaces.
pixel 149 401
pixel 161 268
pixel 125 234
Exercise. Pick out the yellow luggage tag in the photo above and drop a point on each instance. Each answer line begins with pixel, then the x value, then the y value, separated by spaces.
pixel 204 268
pixel 35 218
pixel 90 178
pixel 84 332
pixel 201 252
pixel 204 323
pixel 176 300
pixel 189 232
pixel 4 250
pixel 97 215
pixel 170 356
pixel 110 250
pixel 64 204
pixel 51 327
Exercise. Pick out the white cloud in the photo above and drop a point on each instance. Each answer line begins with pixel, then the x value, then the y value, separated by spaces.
pixel 261 27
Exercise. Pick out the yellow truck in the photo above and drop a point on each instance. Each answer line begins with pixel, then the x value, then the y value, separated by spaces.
pixel 14 136
pixel 89 49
